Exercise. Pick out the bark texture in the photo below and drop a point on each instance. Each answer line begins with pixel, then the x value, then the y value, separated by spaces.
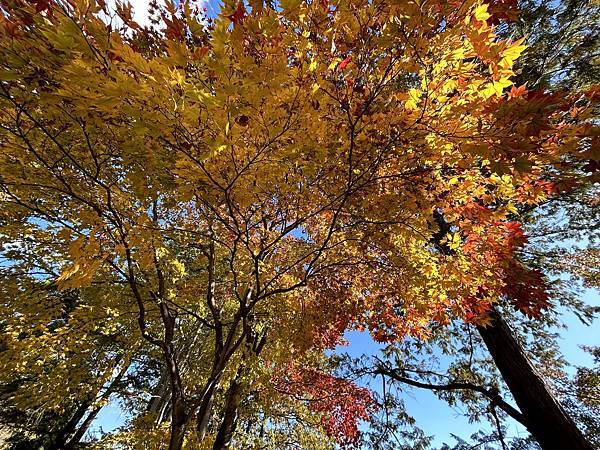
pixel 545 418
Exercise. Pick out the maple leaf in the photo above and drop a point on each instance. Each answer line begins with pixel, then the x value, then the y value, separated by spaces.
pixel 219 207
pixel 481 13
pixel 124 11
pixel 238 15
pixel 517 91
pixel 342 65
pixel 175 28
pixel 342 403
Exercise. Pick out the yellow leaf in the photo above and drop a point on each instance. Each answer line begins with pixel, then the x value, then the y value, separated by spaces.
pixel 511 54
pixel 481 13
pixel 334 63
pixel 496 87
pixel 454 241
pixel 414 98
pixel 68 273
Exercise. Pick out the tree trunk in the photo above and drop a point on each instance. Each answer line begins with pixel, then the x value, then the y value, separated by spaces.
pixel 71 434
pixel 179 419
pixel 159 394
pixel 546 420
pixel 230 415
pixel 76 437
pixel 203 414
pixel 177 435
pixel 60 440
pixel 179 411
pixel 159 404
pixel 80 432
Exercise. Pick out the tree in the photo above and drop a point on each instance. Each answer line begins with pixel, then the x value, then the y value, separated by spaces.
pixel 52 388
pixel 244 190
pixel 562 54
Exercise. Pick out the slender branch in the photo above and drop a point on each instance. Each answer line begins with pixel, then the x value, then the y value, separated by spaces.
pixel 491 394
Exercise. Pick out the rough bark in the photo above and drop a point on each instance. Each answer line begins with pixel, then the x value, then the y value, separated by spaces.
pixel 545 418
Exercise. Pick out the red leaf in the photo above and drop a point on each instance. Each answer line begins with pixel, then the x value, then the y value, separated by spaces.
pixel 123 10
pixel 175 27
pixel 526 289
pixel 343 404
pixel 238 15
pixel 517 91
pixel 344 63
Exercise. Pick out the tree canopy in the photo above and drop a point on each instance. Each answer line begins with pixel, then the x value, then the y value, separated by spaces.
pixel 195 211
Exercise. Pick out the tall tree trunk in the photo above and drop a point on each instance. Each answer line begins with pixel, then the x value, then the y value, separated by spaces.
pixel 179 408
pixel 159 394
pixel 203 414
pixel 159 404
pixel 179 419
pixel 230 415
pixel 546 420
pixel 78 434
pixel 177 435
pixel 71 434
pixel 60 439
pixel 235 392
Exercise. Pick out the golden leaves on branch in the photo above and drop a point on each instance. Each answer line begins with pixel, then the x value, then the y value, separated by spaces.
pixel 293 172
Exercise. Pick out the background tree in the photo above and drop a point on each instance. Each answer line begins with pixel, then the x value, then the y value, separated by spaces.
pixel 562 54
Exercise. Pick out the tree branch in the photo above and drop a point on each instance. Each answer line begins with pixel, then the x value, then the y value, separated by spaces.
pixel 491 394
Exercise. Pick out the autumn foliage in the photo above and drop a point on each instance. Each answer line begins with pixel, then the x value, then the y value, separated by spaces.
pixel 224 197
pixel 340 403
